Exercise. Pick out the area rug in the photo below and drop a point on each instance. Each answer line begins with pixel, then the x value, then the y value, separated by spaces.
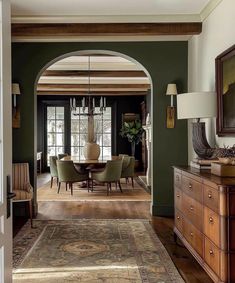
pixel 46 193
pixel 94 251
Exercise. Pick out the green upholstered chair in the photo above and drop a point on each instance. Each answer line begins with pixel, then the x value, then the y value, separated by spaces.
pixel 110 174
pixel 128 168
pixel 62 155
pixel 53 169
pixel 68 174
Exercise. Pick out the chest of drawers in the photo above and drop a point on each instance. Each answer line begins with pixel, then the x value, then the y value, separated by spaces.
pixel 205 220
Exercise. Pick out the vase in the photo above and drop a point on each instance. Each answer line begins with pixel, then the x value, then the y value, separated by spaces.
pixel 91 151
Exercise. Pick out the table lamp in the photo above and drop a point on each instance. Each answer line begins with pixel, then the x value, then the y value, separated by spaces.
pixel 198 105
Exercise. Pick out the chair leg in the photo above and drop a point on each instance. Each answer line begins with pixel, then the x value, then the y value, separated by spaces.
pixel 71 184
pixel 119 184
pixel 59 187
pixel 88 185
pixel 57 181
pixel 51 181
pixel 107 189
pixel 66 185
pixel 132 182
pixel 31 213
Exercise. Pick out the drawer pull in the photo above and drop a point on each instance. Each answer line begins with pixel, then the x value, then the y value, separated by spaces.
pixel 178 196
pixel 178 217
pixel 191 207
pixel 209 195
pixel 211 220
pixel 211 252
pixel 190 186
pixel 191 234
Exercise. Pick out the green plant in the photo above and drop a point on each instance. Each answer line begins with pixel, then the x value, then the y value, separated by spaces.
pixel 133 132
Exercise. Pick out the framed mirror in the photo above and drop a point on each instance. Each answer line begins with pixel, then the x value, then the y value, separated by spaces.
pixel 225 87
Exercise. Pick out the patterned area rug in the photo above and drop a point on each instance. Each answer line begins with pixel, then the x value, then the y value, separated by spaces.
pixel 46 193
pixel 110 251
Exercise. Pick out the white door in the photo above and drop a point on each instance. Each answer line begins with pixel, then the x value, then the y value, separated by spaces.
pixel 5 143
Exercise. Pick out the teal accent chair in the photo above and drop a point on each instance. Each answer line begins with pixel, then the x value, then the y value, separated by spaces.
pixel 53 169
pixel 128 168
pixel 110 174
pixel 68 174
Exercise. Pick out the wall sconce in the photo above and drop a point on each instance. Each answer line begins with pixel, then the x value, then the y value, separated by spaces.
pixel 15 112
pixel 170 112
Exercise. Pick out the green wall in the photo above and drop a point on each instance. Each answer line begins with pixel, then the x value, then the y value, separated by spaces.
pixel 166 62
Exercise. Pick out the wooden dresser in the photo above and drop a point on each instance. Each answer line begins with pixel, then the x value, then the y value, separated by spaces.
pixel 205 220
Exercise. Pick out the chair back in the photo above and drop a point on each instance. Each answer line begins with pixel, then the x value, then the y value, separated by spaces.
pixel 20 175
pixel 113 170
pixel 68 173
pixel 53 166
pixel 62 155
pixel 128 168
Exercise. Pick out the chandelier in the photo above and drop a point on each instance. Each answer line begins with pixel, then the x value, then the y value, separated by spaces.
pixel 88 102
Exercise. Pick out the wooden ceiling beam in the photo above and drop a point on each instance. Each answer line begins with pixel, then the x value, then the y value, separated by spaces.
pixel 104 29
pixel 94 93
pixel 92 86
pixel 98 74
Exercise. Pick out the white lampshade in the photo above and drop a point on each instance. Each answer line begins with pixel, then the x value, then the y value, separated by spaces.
pixel 171 89
pixel 15 88
pixel 196 105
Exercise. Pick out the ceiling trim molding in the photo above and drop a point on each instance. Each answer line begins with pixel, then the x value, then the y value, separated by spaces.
pixel 94 93
pixel 208 9
pixel 107 19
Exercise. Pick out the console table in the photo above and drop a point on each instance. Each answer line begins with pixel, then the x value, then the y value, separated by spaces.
pixel 205 220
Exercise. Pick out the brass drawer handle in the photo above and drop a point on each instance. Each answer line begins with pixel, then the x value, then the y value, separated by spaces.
pixel 190 186
pixel 211 220
pixel 178 217
pixel 211 252
pixel 191 207
pixel 209 195
pixel 178 195
pixel 191 234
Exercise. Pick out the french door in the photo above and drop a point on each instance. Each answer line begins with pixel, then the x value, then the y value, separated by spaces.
pixel 5 144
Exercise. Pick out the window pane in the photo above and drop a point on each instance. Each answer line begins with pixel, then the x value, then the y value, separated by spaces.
pixel 106 153
pixel 51 139
pixel 50 112
pixel 83 139
pixel 107 140
pixel 75 140
pixel 59 113
pixel 84 125
pixel 75 151
pixel 107 126
pixel 59 139
pixel 59 150
pixel 75 126
pixel 99 139
pixel 60 126
pixel 51 125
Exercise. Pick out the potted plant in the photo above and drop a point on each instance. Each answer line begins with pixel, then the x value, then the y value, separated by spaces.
pixel 133 132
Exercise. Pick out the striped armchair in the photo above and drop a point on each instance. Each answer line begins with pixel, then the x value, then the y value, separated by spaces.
pixel 21 185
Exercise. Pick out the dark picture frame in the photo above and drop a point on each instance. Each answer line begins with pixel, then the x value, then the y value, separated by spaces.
pixel 225 87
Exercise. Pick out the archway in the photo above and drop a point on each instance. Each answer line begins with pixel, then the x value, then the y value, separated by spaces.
pixel 85 53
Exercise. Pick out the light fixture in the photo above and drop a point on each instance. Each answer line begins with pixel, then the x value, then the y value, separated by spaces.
pixel 88 102
pixel 15 91
pixel 171 90
pixel 198 105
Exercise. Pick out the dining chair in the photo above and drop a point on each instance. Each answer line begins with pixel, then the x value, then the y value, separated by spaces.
pixel 53 169
pixel 110 174
pixel 62 155
pixel 128 168
pixel 21 186
pixel 68 175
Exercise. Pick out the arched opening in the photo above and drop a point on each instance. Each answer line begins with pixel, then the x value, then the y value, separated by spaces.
pixel 68 94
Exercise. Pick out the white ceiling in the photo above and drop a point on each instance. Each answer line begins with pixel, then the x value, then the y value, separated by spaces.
pixel 106 7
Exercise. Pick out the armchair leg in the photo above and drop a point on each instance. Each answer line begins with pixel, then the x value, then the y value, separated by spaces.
pixel 66 185
pixel 119 184
pixel 71 188
pixel 107 189
pixel 51 181
pixel 132 182
pixel 59 187
pixel 31 213
pixel 57 181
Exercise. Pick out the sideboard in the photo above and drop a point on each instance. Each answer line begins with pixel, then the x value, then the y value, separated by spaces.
pixel 205 219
